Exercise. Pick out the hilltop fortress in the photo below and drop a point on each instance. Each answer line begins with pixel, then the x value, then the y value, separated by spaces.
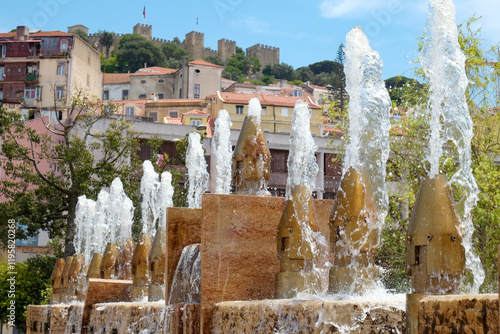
pixel 194 43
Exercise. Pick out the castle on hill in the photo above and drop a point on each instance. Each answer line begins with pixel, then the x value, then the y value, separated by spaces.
pixel 194 43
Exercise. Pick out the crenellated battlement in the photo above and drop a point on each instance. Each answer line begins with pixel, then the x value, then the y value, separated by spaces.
pixel 268 55
pixel 194 43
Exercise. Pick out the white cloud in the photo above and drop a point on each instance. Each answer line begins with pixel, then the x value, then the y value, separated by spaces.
pixel 349 8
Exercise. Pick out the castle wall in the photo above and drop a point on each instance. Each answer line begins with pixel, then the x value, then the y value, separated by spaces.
pixel 268 55
pixel 195 44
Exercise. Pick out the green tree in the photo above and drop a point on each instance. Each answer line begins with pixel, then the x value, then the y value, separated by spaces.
pixel 283 71
pixel 110 65
pixel 80 33
pixel 32 284
pixel 213 59
pixel 83 159
pixel 106 40
pixel 175 55
pixel 134 51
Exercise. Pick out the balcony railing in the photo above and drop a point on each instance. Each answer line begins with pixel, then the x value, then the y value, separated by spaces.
pixel 31 77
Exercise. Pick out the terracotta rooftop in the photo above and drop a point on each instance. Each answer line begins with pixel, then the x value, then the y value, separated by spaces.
pixel 195 112
pixel 266 99
pixel 154 70
pixel 115 78
pixel 318 87
pixel 203 63
pixel 37 34
pixel 170 120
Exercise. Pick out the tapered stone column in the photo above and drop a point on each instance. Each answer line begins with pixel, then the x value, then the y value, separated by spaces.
pixel 435 256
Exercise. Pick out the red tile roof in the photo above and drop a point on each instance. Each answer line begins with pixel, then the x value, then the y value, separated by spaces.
pixel 203 63
pixel 195 112
pixel 266 99
pixel 318 87
pixel 170 120
pixel 37 34
pixel 115 78
pixel 154 70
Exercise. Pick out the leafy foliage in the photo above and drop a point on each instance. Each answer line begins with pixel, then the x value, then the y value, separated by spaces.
pixel 32 280
pixel 135 50
pixel 239 65
pixel 175 55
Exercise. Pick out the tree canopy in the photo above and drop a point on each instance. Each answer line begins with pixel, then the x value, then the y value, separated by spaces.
pixel 175 55
pixel 134 51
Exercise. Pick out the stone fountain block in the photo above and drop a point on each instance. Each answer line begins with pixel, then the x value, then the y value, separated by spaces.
pixel 300 316
pixel 182 319
pixel 38 318
pixel 239 248
pixel 458 314
pixel 104 291
pixel 132 317
pixel 183 229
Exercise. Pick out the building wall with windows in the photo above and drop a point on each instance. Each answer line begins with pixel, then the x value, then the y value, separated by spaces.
pixel 43 66
pixel 198 79
pixel 171 110
pixel 277 111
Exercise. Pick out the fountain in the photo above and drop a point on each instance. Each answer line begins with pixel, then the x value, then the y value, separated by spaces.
pixel 250 263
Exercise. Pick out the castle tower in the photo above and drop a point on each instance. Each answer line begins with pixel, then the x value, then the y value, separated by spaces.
pixel 226 49
pixel 195 44
pixel 268 55
pixel 143 30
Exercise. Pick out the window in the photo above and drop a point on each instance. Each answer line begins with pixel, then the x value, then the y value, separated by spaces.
pixel 142 96
pixel 196 91
pixel 1 95
pixel 31 93
pixel 125 94
pixel 63 46
pixel 195 121
pixel 321 98
pixel 161 96
pixel 284 112
pixel 2 73
pixel 161 81
pixel 143 81
pixel 3 50
pixel 264 111
pixel 154 115
pixel 239 110
pixel 105 95
pixel 61 68
pixel 59 93
pixel 279 161
pixel 297 93
pixel 173 114
pixel 129 111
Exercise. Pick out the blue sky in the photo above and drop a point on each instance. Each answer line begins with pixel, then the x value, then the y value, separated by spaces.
pixel 306 31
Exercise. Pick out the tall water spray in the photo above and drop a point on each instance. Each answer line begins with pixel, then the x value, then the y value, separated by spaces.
pixel 197 170
pixel 444 66
pixel 222 149
pixel 109 219
pixel 156 197
pixel 119 214
pixel 369 111
pixel 84 216
pixel 302 166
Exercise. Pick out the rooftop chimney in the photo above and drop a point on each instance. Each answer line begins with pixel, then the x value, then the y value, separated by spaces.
pixel 22 33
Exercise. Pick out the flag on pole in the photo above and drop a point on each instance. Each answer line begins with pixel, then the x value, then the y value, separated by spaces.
pixel 144 12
